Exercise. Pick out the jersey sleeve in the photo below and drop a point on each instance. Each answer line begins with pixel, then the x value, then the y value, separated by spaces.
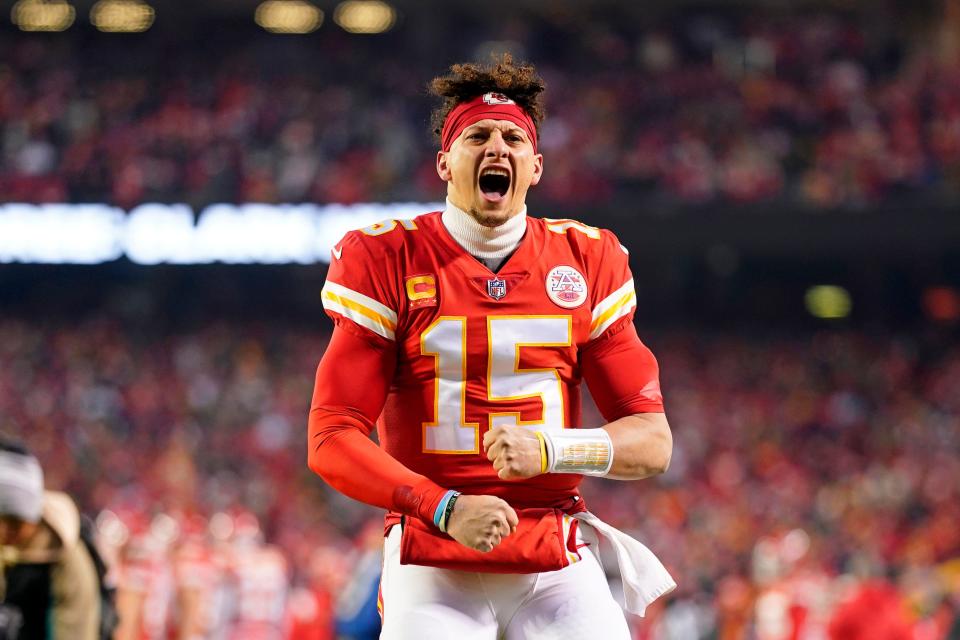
pixel 622 374
pixel 612 296
pixel 360 294
pixel 342 414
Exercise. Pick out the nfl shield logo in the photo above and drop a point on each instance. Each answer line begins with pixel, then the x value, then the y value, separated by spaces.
pixel 497 288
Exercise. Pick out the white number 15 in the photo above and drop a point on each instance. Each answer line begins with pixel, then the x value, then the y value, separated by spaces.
pixel 446 341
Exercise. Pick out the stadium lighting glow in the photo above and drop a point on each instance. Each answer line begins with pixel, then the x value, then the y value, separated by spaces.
pixel 256 233
pixel 159 233
pixel 288 16
pixel 60 233
pixel 172 234
pixel 828 302
pixel 122 16
pixel 365 16
pixel 43 15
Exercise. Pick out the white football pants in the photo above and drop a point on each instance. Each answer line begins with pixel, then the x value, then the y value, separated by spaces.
pixel 426 603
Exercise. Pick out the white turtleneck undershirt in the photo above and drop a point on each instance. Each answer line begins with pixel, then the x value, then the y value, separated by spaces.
pixel 490 245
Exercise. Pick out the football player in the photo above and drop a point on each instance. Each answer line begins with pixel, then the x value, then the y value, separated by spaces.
pixel 466 333
pixel 261 582
pixel 145 580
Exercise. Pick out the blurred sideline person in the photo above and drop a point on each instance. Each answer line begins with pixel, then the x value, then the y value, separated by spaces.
pixel 261 583
pixel 357 608
pixel 145 574
pixel 466 333
pixel 182 577
pixel 48 576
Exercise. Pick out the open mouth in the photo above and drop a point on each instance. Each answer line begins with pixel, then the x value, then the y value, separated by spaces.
pixel 494 184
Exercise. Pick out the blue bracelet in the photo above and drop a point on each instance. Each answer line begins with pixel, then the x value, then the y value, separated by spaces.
pixel 451 505
pixel 438 514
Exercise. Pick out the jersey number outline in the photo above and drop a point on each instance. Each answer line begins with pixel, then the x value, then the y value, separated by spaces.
pixel 386 226
pixel 446 341
pixel 561 225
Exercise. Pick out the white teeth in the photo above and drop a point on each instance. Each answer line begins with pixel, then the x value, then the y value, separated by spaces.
pixel 494 172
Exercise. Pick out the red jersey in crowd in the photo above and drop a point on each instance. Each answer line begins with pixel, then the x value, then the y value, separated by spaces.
pixel 145 588
pixel 260 588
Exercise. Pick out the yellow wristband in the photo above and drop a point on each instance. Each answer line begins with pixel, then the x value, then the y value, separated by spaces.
pixel 543 452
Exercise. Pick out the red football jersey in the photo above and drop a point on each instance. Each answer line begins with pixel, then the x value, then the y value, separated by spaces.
pixel 477 349
pixel 261 580
pixel 145 570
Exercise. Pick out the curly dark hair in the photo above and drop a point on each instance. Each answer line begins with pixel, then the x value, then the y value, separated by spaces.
pixel 518 81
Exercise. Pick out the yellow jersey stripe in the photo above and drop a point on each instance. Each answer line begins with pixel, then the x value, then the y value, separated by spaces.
pixel 604 305
pixel 366 301
pixel 621 312
pixel 618 310
pixel 359 314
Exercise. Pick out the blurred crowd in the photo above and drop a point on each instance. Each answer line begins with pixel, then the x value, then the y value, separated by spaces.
pixel 819 110
pixel 814 481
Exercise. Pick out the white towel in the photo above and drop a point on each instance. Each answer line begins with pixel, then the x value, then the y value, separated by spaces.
pixel 644 577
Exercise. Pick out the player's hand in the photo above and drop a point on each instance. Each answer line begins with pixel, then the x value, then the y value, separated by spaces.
pixel 514 452
pixel 481 522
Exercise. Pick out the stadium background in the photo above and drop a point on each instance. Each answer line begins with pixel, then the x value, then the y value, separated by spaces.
pixel 786 175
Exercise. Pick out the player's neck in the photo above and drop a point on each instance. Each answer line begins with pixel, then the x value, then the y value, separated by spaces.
pixel 490 245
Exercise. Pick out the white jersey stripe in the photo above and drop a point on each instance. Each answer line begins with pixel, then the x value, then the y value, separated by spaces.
pixel 373 322
pixel 615 306
pixel 361 309
pixel 604 305
pixel 366 301
pixel 628 304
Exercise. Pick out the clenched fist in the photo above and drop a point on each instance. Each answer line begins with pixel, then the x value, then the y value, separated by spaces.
pixel 481 522
pixel 515 452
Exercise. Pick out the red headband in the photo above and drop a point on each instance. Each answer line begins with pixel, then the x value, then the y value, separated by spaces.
pixel 494 106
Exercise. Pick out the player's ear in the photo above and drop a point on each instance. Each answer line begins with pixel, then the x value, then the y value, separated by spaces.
pixel 537 169
pixel 443 169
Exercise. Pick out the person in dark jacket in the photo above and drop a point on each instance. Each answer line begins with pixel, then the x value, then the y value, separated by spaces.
pixel 49 586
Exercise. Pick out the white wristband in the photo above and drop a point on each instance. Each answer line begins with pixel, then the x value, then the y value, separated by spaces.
pixel 585 451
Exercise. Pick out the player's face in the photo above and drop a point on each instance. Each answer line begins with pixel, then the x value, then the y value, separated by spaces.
pixel 489 169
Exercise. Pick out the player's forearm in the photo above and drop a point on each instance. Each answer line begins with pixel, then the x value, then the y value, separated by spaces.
pixel 633 447
pixel 341 453
pixel 642 446
pixel 341 419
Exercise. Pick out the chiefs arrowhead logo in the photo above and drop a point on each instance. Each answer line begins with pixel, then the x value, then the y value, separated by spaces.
pixel 497 98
